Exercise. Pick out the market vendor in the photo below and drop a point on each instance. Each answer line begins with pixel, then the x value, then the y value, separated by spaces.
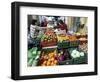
pixel 33 27
pixel 83 26
pixel 62 25
pixel 44 23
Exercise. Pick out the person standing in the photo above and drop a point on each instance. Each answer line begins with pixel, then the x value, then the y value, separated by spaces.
pixel 62 25
pixel 33 28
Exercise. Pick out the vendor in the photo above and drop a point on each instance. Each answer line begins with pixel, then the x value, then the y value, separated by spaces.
pixel 62 25
pixel 83 26
pixel 44 23
pixel 33 27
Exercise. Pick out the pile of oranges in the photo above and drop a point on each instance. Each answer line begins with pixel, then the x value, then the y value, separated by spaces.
pixel 49 59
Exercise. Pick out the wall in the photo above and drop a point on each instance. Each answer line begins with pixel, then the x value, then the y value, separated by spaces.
pixel 5 40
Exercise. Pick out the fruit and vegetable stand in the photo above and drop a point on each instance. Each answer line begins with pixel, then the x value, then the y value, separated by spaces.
pixel 50 49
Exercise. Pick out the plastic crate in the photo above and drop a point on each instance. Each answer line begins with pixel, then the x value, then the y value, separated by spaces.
pixel 47 44
pixel 74 43
pixel 63 44
pixel 80 60
pixel 66 62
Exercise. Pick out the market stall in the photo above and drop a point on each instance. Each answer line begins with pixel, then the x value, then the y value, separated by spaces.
pixel 51 48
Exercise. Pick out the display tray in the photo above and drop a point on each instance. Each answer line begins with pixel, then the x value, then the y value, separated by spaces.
pixel 45 44
pixel 68 44
pixel 74 61
pixel 80 60
pixel 48 57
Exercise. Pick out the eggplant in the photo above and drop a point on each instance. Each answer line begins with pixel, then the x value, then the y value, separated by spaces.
pixel 61 58
pixel 67 55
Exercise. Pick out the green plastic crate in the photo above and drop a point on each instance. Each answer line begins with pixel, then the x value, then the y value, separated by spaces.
pixel 73 43
pixel 80 60
pixel 66 62
pixel 63 44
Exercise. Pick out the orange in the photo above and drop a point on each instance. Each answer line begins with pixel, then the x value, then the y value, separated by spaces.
pixel 55 61
pixel 48 63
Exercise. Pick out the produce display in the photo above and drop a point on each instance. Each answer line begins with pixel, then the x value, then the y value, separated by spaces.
pixel 33 56
pixel 84 47
pixel 82 38
pixel 72 38
pixel 62 37
pixel 48 58
pixel 66 41
pixel 49 38
pixel 63 55
pixel 75 53
pixel 51 49
pixel 57 40
pixel 75 57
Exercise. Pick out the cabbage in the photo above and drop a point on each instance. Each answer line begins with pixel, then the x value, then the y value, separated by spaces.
pixel 73 55
pixel 77 54
pixel 81 53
